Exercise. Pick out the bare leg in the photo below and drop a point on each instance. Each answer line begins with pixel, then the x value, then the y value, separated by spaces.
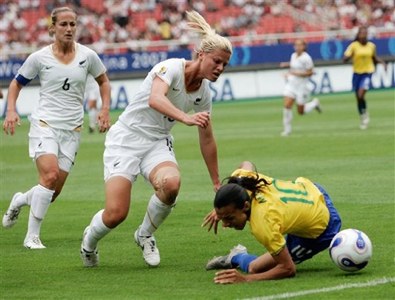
pixel 287 116
pixel 263 263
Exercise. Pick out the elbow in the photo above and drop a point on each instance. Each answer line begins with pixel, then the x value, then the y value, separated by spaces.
pixel 247 165
pixel 291 274
pixel 152 102
pixel 290 271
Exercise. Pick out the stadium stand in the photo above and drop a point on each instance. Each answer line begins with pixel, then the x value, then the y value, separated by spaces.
pixel 23 23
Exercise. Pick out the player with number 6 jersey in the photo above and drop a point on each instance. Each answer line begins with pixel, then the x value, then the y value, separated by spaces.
pixel 293 220
pixel 56 121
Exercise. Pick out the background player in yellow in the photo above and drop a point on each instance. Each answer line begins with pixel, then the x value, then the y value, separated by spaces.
pixel 364 59
pixel 300 209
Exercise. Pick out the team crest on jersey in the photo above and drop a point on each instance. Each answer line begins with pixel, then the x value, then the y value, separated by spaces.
pixel 162 70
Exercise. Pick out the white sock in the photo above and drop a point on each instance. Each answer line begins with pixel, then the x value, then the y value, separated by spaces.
pixel 310 106
pixel 92 113
pixel 97 230
pixel 25 198
pixel 157 212
pixel 40 200
pixel 287 119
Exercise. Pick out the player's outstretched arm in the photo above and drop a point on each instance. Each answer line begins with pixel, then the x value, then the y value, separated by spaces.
pixel 281 267
pixel 103 118
pixel 247 165
pixel 208 148
pixel 159 101
pixel 12 118
pixel 378 60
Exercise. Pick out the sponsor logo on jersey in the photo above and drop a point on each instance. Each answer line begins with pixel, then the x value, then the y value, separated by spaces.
pixel 175 89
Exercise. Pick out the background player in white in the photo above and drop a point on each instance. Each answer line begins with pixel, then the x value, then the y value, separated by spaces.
pixel 54 135
pixel 296 88
pixel 92 96
pixel 140 141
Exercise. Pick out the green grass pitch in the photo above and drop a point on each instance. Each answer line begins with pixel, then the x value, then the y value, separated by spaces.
pixel 356 167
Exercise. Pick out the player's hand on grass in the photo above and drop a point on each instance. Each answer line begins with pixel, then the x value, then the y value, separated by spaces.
pixel 103 120
pixel 11 119
pixel 201 119
pixel 211 220
pixel 229 277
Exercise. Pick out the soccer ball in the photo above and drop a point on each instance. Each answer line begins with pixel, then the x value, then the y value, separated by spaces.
pixel 350 250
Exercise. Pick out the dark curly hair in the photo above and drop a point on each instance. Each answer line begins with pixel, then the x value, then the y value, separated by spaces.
pixel 235 190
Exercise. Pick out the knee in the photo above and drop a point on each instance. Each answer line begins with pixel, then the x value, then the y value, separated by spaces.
pixel 50 178
pixel 114 216
pixel 253 268
pixel 167 184
pixel 169 188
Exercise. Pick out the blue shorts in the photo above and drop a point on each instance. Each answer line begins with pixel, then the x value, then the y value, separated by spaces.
pixel 302 249
pixel 361 81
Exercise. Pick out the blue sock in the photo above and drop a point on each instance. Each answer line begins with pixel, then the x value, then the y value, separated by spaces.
pixel 243 260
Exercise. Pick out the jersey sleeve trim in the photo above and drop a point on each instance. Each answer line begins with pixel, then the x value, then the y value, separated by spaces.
pixel 22 80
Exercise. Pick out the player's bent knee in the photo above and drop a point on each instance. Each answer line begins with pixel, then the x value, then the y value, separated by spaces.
pixel 113 217
pixel 50 178
pixel 167 184
pixel 253 268
pixel 171 187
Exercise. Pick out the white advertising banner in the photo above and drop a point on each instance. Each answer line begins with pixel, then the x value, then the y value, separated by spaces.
pixel 232 86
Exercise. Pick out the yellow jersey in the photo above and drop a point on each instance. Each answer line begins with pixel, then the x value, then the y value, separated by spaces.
pixel 295 207
pixel 362 56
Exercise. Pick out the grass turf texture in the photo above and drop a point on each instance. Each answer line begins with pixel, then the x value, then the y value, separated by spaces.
pixel 356 167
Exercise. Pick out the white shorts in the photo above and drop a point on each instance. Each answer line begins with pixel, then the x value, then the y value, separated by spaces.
pixel 47 140
pixel 128 153
pixel 301 94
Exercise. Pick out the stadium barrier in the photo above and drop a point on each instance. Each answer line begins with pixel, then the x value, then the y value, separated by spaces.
pixel 234 86
pixel 248 56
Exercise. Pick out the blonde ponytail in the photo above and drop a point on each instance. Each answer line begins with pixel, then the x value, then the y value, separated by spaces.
pixel 209 40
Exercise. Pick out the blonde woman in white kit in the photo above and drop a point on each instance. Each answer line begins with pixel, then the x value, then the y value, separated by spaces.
pixel 301 68
pixel 56 122
pixel 140 141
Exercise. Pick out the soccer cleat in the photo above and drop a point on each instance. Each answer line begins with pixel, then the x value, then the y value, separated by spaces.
pixel 364 121
pixel 225 262
pixel 148 245
pixel 11 216
pixel 318 105
pixel 285 133
pixel 89 258
pixel 33 242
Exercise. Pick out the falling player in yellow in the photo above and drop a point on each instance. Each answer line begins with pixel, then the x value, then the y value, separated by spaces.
pixel 300 209
pixel 364 58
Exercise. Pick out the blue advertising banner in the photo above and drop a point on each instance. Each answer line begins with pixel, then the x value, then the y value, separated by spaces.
pixel 323 51
pixel 243 56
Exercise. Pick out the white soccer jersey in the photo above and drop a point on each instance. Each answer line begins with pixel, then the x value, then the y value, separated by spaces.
pixel 151 123
pixel 62 85
pixel 300 63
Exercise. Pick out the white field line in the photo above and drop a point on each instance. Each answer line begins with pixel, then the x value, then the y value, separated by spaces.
pixel 375 282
